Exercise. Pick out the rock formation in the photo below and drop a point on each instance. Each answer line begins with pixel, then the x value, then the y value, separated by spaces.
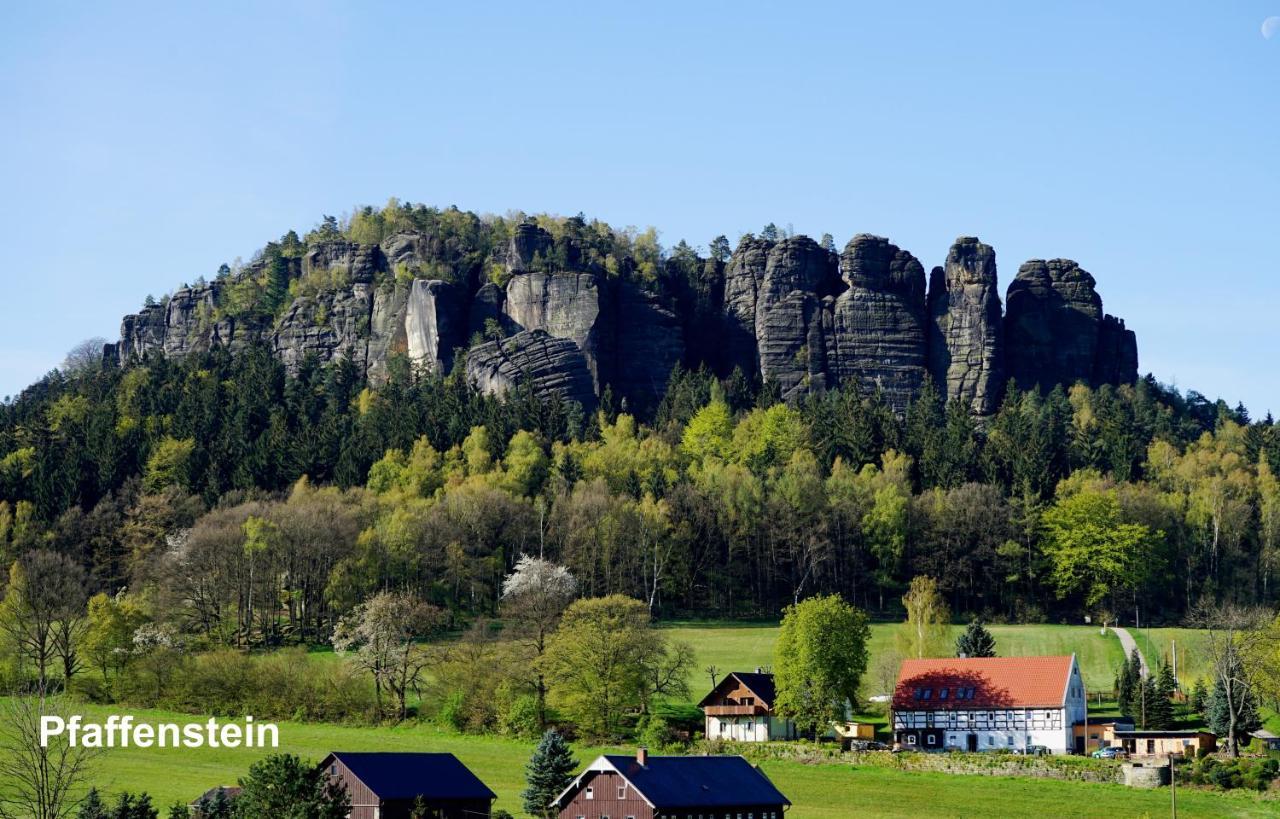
pixel 966 328
pixel 877 332
pixel 1051 324
pixel 787 311
pixel 549 365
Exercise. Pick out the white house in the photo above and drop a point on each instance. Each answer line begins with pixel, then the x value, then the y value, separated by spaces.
pixel 741 707
pixel 987 703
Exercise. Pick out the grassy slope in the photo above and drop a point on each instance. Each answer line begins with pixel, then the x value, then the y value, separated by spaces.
pixel 732 647
pixel 818 791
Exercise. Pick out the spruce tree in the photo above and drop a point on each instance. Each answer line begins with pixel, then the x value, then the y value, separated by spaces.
pixel 1125 685
pixel 1160 709
pixel 1200 697
pixel 976 641
pixel 179 811
pixel 550 770
pixel 1232 712
pixel 92 807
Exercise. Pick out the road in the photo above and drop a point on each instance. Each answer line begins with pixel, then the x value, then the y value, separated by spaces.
pixel 1130 645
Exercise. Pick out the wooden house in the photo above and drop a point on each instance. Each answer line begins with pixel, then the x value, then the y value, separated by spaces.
pixel 741 707
pixel 989 703
pixel 671 787
pixel 388 785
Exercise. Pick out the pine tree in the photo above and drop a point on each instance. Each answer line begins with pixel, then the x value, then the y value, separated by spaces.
pixel 550 770
pixel 92 807
pixel 1165 682
pixel 1125 688
pixel 976 641
pixel 1200 697
pixel 1160 707
pixel 179 811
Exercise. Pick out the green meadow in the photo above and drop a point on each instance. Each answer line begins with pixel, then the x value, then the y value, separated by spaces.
pixel 818 791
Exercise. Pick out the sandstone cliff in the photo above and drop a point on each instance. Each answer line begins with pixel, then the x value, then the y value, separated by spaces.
pixel 542 309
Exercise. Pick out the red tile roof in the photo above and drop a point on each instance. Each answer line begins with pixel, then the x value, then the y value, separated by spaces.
pixel 982 682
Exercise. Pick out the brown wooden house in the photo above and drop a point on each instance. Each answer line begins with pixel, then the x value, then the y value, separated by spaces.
pixel 741 707
pixel 387 785
pixel 671 787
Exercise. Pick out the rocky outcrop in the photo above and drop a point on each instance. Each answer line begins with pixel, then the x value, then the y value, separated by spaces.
pixel 1051 324
pixel 575 306
pixel 1116 361
pixel 648 346
pixel 966 328
pixel 788 326
pixel 788 312
pixel 742 280
pixel 433 324
pixel 877 328
pixel 544 363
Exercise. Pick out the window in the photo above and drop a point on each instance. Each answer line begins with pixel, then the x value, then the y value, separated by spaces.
pixel 925 693
pixel 622 791
pixel 991 740
pixel 911 739
pixel 933 740
pixel 942 693
pixel 1010 742
pixel 591 793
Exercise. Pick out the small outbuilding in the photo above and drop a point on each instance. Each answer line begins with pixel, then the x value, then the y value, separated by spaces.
pixel 1268 740
pixel 1163 743
pixel 670 787
pixel 389 785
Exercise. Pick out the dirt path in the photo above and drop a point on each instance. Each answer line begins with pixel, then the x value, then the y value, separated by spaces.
pixel 1130 645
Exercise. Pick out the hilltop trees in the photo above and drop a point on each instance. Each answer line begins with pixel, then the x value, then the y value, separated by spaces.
pixel 819 660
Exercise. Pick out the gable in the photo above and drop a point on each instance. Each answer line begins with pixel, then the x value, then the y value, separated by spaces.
pixel 757 685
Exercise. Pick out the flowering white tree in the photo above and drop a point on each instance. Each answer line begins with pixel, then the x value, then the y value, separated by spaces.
pixel 534 596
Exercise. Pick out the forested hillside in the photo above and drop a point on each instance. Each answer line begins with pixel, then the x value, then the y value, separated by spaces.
pixel 254 506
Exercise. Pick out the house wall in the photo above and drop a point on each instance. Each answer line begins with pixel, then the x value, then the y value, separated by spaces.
pixel 1007 728
pixel 750 729
pixel 605 799
pixel 364 802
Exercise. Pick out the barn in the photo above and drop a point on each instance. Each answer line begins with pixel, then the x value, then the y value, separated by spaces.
pixel 671 787
pixel 989 703
pixel 387 785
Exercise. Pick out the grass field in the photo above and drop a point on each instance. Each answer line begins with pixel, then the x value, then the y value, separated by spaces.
pixel 822 791
pixel 737 647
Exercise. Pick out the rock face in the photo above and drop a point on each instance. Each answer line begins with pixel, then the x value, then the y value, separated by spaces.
pixel 789 312
pixel 1052 322
pixel 790 345
pixel 1117 357
pixel 549 365
pixel 877 333
pixel 966 328
pixel 433 324
pixel 566 305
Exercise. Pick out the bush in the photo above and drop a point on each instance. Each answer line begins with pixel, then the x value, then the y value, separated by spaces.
pixel 453 711
pixel 1254 774
pixel 520 717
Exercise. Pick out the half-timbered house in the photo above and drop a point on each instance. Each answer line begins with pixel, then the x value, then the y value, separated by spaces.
pixel 988 703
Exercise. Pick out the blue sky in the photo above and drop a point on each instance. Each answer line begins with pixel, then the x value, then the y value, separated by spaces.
pixel 144 144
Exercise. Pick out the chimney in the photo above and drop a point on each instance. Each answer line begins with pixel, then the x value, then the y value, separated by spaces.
pixel 759 670
pixel 642 756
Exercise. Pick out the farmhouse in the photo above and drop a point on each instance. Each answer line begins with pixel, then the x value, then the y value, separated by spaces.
pixel 741 707
pixel 667 787
pixel 386 785
pixel 987 703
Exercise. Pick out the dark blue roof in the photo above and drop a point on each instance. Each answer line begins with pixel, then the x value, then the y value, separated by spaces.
pixel 409 775
pixel 698 781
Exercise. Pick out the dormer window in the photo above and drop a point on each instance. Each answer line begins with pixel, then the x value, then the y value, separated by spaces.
pixel 942 693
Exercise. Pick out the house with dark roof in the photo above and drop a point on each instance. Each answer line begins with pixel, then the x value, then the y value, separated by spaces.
pixel 989 703
pixel 670 787
pixel 741 707
pixel 388 785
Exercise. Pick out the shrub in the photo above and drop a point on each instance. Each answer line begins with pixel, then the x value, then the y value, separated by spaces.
pixel 520 716
pixel 453 711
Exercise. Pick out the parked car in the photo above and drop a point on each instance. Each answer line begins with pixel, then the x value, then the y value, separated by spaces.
pixel 867 745
pixel 1032 750
pixel 1111 752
